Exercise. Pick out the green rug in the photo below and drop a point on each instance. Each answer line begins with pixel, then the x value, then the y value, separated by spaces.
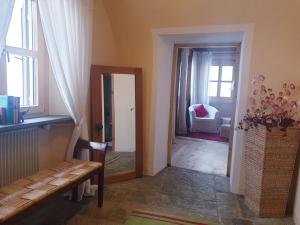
pixel 150 218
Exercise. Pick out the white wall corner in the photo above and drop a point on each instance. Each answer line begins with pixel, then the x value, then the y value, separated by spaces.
pixel 162 69
pixel 237 178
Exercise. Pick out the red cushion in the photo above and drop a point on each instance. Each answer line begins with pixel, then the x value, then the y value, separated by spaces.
pixel 200 111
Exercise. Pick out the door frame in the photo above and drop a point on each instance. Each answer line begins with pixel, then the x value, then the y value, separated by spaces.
pixel 163 40
pixel 173 99
pixel 112 111
pixel 96 114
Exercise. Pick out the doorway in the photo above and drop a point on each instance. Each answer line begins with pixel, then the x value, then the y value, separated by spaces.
pixel 205 83
pixel 162 125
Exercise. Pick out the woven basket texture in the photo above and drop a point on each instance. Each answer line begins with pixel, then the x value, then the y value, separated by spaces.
pixel 270 161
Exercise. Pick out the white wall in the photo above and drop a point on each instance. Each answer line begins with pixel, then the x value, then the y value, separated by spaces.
pixel 163 54
pixel 223 105
pixel 124 112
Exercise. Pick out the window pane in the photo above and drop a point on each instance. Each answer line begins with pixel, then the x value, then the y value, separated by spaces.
pixel 21 30
pixel 214 73
pixel 21 79
pixel 213 89
pixel 225 89
pixel 15 76
pixel 227 73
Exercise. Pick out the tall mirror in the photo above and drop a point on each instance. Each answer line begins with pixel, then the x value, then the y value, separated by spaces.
pixel 118 115
pixel 116 119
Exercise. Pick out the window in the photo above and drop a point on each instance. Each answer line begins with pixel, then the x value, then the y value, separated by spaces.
pixel 220 81
pixel 23 57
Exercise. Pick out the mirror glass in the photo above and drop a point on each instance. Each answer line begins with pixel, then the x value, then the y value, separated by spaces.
pixel 118 117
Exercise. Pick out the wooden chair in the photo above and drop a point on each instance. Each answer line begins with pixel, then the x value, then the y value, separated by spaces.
pixel 97 153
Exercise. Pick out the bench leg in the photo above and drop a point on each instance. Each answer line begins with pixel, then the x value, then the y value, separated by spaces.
pixel 100 189
pixel 75 194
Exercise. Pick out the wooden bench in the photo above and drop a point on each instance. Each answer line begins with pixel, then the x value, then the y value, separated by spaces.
pixel 26 195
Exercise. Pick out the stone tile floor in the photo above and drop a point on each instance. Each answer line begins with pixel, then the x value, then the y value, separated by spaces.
pixel 174 191
pixel 202 155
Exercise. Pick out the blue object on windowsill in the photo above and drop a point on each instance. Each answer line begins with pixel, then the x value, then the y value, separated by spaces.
pixel 10 109
pixel 22 114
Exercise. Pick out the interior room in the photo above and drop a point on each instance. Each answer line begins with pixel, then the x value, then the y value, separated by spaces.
pixel 205 89
pixel 149 112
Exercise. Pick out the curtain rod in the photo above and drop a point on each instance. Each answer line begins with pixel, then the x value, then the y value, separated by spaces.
pixel 212 45
pixel 217 50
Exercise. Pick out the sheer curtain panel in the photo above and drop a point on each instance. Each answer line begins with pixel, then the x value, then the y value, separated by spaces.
pixel 67 28
pixel 6 9
pixel 201 64
pixel 183 91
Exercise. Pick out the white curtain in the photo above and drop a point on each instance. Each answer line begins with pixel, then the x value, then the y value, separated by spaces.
pixel 201 63
pixel 183 89
pixel 67 27
pixel 6 9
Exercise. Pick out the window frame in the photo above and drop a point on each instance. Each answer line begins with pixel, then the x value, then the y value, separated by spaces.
pixel 219 81
pixel 42 67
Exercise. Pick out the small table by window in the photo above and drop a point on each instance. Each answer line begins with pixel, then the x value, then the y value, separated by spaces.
pixel 224 128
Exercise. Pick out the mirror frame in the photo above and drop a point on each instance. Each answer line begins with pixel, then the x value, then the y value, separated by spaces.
pixel 96 113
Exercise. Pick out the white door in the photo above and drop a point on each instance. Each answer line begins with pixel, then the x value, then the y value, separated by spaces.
pixel 124 112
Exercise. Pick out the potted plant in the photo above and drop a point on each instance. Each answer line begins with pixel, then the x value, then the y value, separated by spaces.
pixel 271 144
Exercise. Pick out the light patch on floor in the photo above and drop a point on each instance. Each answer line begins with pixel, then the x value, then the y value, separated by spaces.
pixel 119 162
pixel 200 155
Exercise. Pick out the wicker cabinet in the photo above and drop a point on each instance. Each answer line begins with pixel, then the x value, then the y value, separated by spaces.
pixel 270 162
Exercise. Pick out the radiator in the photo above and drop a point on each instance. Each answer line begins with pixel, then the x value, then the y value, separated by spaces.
pixel 18 154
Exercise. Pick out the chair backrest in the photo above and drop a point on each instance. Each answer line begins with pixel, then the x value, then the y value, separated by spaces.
pixel 97 150
pixel 210 109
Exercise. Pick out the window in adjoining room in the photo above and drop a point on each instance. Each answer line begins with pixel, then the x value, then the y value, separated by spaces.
pixel 220 81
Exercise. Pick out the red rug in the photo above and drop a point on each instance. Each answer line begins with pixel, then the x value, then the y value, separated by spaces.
pixel 206 136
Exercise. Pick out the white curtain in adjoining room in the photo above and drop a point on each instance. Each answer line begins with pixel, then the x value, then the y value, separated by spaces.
pixel 6 9
pixel 201 63
pixel 67 28
pixel 183 79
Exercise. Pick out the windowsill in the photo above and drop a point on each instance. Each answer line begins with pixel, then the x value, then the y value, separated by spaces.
pixel 36 122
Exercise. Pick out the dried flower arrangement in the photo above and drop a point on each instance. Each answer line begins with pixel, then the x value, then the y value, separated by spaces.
pixel 269 109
